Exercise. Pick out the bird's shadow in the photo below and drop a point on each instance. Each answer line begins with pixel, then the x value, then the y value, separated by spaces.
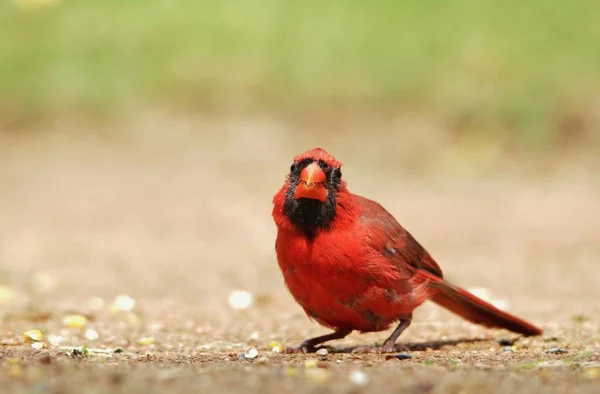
pixel 403 347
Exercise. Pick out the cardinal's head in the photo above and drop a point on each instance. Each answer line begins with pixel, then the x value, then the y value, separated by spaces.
pixel 313 191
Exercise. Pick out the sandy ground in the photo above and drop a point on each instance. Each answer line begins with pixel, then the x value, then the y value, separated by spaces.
pixel 176 215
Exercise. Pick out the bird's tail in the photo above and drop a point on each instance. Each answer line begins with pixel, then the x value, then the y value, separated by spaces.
pixel 474 309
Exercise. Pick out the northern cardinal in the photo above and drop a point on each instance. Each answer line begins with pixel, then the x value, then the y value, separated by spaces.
pixel 352 266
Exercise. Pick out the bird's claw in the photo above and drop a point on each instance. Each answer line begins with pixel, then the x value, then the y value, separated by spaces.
pixel 294 350
pixel 303 348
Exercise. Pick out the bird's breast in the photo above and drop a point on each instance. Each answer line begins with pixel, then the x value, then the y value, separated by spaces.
pixel 342 285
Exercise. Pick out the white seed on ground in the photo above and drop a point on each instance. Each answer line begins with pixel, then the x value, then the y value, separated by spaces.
pixel 251 352
pixel 33 336
pixel 322 352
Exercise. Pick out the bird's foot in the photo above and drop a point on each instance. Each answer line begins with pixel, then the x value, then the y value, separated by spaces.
pixel 294 350
pixel 305 347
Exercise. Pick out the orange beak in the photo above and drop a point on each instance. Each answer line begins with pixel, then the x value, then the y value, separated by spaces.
pixel 312 183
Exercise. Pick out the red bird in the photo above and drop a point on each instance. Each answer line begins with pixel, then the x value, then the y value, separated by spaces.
pixel 352 266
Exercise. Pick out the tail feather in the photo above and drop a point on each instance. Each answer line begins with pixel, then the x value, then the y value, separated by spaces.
pixel 474 309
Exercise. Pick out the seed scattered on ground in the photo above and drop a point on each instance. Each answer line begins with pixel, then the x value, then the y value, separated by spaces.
pixel 33 336
pixel 322 352
pixel 276 347
pixel 251 353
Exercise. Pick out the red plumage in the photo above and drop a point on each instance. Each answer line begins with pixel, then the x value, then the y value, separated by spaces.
pixel 351 266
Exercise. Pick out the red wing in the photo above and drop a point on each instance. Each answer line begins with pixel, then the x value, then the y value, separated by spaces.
pixel 386 235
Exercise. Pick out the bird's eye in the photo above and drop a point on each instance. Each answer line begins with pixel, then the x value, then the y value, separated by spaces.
pixel 293 167
pixel 338 173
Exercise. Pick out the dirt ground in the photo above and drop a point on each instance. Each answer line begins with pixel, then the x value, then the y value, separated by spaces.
pixel 176 215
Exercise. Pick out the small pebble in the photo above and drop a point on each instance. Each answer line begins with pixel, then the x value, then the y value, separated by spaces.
pixel 557 350
pixel 508 349
pixel 241 356
pixel 37 345
pixel 251 353
pixel 322 352
pixel 359 378
pixel 403 356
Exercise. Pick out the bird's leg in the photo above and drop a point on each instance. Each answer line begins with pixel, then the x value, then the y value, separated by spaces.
pixel 389 345
pixel 308 346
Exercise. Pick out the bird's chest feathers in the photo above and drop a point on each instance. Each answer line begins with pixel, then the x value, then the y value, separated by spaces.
pixel 323 269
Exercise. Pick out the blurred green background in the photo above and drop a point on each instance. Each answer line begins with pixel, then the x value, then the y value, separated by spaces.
pixel 524 71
